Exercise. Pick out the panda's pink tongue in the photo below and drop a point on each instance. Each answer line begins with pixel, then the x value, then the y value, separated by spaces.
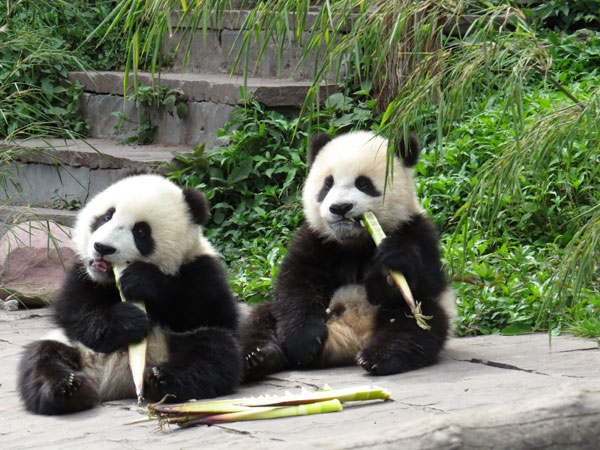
pixel 101 265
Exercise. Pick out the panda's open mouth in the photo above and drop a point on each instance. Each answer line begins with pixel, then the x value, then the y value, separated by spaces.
pixel 101 265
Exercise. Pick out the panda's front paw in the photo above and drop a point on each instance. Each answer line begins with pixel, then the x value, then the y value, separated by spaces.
pixel 141 281
pixel 303 345
pixel 128 324
pixel 396 256
pixel 158 385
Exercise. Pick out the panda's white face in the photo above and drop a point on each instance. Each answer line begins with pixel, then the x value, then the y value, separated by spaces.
pixel 140 218
pixel 347 179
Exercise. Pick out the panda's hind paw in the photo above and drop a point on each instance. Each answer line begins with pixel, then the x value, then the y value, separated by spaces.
pixel 254 358
pixel 68 385
pixel 262 361
pixel 158 384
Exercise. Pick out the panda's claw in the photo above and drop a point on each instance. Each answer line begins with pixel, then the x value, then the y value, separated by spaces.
pixel 68 386
pixel 254 358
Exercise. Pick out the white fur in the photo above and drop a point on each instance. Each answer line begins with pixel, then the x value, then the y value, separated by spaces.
pixel 110 372
pixel 349 332
pixel 148 198
pixel 345 158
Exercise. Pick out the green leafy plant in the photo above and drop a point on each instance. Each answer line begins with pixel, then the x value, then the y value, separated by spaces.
pixel 567 15
pixel 148 100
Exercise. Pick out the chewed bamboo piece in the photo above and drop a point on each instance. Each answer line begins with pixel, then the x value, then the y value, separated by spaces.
pixel 264 407
pixel 137 352
pixel 372 225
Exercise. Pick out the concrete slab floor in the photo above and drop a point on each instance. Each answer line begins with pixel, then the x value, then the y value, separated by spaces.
pixel 487 392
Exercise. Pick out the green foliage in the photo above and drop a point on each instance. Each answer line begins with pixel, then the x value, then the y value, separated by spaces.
pixel 514 188
pixel 150 99
pixel 40 42
pixel 34 97
pixel 568 15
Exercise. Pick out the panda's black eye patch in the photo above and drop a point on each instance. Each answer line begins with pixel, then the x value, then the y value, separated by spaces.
pixel 327 185
pixel 142 236
pixel 364 184
pixel 102 219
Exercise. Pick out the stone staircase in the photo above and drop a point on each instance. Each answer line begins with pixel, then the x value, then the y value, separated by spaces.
pixel 55 170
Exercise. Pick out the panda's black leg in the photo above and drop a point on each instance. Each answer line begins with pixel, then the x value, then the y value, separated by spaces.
pixel 50 380
pixel 262 354
pixel 399 344
pixel 203 363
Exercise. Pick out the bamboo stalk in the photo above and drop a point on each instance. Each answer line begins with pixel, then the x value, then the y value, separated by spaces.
pixel 137 352
pixel 358 393
pixel 264 407
pixel 377 234
pixel 270 412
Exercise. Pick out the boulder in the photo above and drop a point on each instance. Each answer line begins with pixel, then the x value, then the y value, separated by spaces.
pixel 33 258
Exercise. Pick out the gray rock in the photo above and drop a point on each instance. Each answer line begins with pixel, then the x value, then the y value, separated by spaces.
pixel 10 305
pixel 33 258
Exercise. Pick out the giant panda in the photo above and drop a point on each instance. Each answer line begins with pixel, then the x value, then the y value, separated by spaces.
pixel 333 300
pixel 148 223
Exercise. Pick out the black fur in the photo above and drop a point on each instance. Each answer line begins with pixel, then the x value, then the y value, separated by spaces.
pixel 327 185
pixel 102 219
pixel 408 149
pixel 51 382
pixel 195 306
pixel 365 184
pixel 316 144
pixel 198 205
pixel 142 236
pixel 293 326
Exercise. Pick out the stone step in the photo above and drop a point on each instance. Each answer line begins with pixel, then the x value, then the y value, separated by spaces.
pixel 68 172
pixel 207 87
pixel 10 215
pixel 216 46
pixel 211 100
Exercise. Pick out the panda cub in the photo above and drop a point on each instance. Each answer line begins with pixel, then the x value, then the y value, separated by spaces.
pixel 150 224
pixel 333 301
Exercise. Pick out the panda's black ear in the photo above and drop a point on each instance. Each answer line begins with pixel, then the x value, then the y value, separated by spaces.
pixel 198 205
pixel 409 151
pixel 316 144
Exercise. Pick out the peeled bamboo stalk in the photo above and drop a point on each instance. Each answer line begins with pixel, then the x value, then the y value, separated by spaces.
pixel 377 234
pixel 270 412
pixel 357 393
pixel 137 352
pixel 264 407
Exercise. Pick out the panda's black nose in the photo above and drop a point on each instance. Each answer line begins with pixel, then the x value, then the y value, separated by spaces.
pixel 104 250
pixel 340 209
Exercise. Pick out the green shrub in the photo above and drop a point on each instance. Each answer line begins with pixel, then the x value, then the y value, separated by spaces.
pixel 42 41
